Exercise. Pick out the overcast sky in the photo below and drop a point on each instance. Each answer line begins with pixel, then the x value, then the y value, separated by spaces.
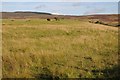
pixel 66 8
pixel 60 0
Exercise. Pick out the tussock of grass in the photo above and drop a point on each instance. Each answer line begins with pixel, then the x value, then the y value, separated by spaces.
pixel 58 49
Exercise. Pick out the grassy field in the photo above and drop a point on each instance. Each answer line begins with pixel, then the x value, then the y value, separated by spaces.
pixel 58 49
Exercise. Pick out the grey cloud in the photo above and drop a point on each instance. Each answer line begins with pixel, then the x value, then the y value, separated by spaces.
pixel 95 11
pixel 76 4
pixel 40 6
pixel 69 0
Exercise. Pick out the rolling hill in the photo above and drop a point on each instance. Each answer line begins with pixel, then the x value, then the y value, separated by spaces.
pixel 106 19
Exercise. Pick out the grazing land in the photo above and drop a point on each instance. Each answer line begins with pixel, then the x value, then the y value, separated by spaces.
pixel 68 48
pixel 104 19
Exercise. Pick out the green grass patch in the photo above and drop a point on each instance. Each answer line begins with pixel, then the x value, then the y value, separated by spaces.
pixel 58 49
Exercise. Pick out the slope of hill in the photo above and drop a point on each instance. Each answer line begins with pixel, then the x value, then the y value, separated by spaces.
pixel 58 49
pixel 111 19
pixel 22 15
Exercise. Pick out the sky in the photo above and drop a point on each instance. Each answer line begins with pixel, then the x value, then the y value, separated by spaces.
pixel 60 0
pixel 63 8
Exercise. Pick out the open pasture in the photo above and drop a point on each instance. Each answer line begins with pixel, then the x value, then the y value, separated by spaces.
pixel 67 48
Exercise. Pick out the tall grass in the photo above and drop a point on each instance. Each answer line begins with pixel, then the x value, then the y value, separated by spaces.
pixel 58 49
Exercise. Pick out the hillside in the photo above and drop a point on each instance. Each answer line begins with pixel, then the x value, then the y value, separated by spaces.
pixel 58 49
pixel 110 19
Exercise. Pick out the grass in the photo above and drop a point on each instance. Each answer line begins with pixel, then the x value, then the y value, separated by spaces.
pixel 58 49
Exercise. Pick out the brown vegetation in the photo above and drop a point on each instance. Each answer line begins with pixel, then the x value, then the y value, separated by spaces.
pixel 110 20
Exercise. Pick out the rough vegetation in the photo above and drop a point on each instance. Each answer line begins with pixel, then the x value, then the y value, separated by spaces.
pixel 103 19
pixel 59 49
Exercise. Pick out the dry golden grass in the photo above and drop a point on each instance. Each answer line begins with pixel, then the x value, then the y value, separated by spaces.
pixel 58 49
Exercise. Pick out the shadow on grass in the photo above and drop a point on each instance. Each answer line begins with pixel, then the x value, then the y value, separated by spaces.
pixel 113 72
pixel 48 75
pixel 108 74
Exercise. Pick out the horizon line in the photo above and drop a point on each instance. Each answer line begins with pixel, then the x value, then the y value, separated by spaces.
pixel 64 14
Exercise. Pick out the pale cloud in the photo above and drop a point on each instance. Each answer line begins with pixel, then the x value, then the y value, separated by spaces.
pixel 95 11
pixel 40 6
pixel 76 4
pixel 57 7
pixel 60 0
pixel 71 8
